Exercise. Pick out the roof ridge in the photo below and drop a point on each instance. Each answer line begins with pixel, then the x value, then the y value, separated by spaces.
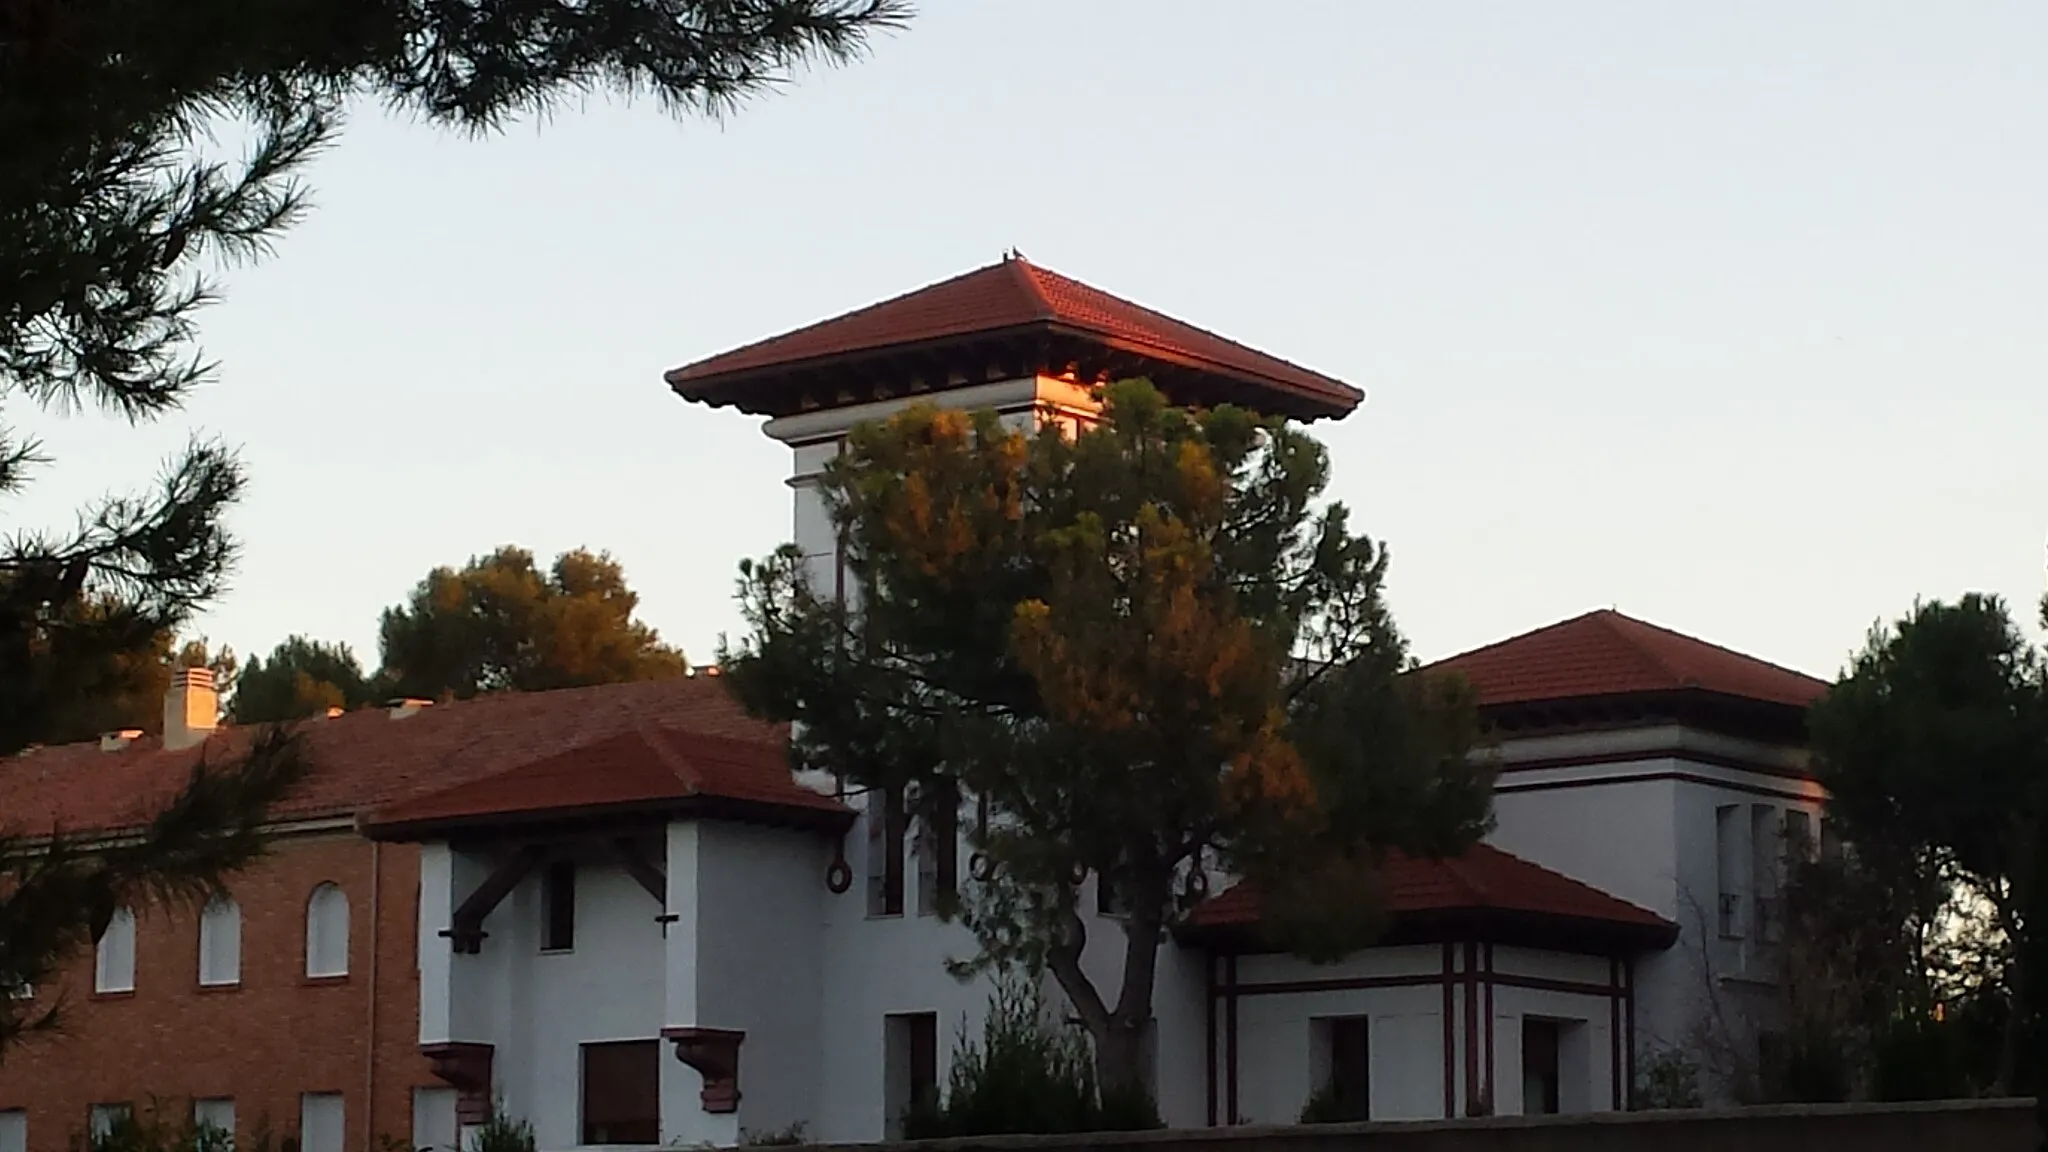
pixel 656 736
pixel 1025 275
pixel 1611 618
pixel 1478 890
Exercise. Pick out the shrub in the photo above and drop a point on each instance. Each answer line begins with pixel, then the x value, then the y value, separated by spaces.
pixel 1669 1079
pixel 1028 1073
pixel 1919 1059
pixel 1327 1105
pixel 501 1133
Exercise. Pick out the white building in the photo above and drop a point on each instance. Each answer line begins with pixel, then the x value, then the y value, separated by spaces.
pixel 651 940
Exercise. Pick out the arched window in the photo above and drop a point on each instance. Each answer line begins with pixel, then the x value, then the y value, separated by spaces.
pixel 114 956
pixel 220 942
pixel 327 932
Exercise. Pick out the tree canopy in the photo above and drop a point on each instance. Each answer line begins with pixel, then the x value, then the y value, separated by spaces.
pixel 301 677
pixel 115 206
pixel 1145 651
pixel 501 623
pixel 1934 750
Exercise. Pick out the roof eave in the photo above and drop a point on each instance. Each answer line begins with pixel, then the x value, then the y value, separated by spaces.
pixel 1547 931
pixel 1020 349
pixel 696 806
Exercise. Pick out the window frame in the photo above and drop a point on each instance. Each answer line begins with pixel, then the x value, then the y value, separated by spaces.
pixel 221 913
pixel 121 927
pixel 558 906
pixel 596 1132
pixel 321 924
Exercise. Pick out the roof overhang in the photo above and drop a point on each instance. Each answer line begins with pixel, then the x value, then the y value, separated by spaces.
pixel 1546 931
pixel 836 819
pixel 1761 720
pixel 1044 347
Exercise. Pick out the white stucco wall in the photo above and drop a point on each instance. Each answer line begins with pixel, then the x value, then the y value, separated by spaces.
pixel 761 964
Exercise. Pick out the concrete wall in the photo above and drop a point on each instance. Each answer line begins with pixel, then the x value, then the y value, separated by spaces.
pixel 1954 1126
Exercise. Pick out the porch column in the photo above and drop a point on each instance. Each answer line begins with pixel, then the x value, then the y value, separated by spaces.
pixel 685 1119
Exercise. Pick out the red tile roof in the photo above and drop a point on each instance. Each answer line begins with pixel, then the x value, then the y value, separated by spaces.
pixel 1605 653
pixel 643 768
pixel 1483 880
pixel 366 759
pixel 1014 297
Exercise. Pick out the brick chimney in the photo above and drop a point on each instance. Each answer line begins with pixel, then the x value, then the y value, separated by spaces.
pixel 191 708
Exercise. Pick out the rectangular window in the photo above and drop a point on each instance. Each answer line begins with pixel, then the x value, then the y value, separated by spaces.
pixel 910 1066
pixel 938 860
pixel 14 1131
pixel 103 1118
pixel 1765 861
pixel 114 956
pixel 886 821
pixel 1348 1084
pixel 323 1122
pixel 558 906
pixel 433 1120
pixel 1109 901
pixel 622 1092
pixel 1539 1067
pixel 217 1114
pixel 1728 865
pixel 220 943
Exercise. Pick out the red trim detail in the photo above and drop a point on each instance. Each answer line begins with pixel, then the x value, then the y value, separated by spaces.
pixel 1230 1036
pixel 715 1055
pixel 1614 1035
pixel 1493 1105
pixel 1209 1035
pixel 1471 1028
pixel 465 1067
pixel 1450 1041
pixel 1640 777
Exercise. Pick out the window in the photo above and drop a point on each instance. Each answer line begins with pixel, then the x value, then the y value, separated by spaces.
pixel 1765 825
pixel 22 991
pixel 220 943
pixel 938 859
pixel 323 1122
pixel 327 932
pixel 217 1114
pixel 1346 1073
pixel 1539 1067
pixel 558 907
pixel 104 1118
pixel 622 1092
pixel 910 1066
pixel 14 1131
pixel 433 1120
pixel 1109 901
pixel 886 822
pixel 114 958
pixel 1729 827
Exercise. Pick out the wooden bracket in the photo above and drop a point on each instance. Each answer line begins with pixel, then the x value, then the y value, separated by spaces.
pixel 468 929
pixel 642 871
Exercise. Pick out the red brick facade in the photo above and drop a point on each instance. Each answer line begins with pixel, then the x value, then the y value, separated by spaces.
pixel 265 1041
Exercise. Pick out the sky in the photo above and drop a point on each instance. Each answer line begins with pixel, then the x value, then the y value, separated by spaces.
pixel 1731 316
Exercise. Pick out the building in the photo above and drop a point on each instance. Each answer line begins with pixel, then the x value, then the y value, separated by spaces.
pixel 616 912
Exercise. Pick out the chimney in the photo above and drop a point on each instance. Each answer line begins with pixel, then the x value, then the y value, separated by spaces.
pixel 404 706
pixel 191 708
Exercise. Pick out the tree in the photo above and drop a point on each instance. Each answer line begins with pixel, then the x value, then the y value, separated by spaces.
pixel 1147 655
pixel 301 678
pixel 80 695
pixel 111 203
pixel 501 624
pixel 1934 751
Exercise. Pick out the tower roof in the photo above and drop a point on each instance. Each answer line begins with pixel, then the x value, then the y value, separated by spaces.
pixel 1605 653
pixel 1002 321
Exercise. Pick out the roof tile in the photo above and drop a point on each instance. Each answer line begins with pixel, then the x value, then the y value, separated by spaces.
pixel 1605 653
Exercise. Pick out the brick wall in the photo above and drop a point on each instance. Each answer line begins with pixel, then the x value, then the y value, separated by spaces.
pixel 269 1039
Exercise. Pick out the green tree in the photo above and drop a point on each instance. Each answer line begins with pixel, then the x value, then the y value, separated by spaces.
pixel 84 696
pixel 1934 750
pixel 300 678
pixel 500 624
pixel 1149 656
pixel 114 205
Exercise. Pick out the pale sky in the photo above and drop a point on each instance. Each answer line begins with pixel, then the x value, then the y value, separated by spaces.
pixel 1733 316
